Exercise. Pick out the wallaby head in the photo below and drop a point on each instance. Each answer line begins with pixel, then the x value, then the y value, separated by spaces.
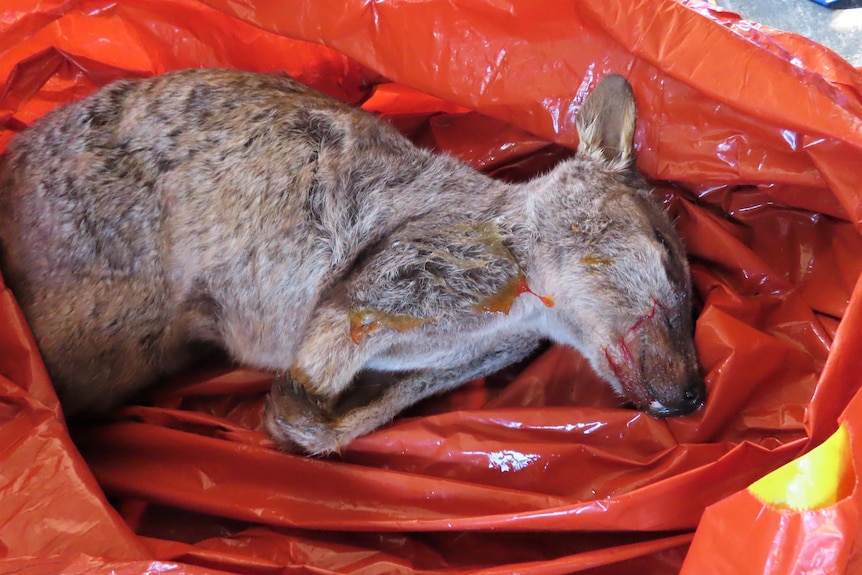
pixel 607 253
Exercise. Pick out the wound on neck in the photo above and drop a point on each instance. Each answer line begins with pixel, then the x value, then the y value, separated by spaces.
pixel 502 301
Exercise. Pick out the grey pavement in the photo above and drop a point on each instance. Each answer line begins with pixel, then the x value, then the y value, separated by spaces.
pixel 840 30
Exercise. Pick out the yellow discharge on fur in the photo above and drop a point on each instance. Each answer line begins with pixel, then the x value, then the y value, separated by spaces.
pixel 485 234
pixel 501 302
pixel 366 320
pixel 591 260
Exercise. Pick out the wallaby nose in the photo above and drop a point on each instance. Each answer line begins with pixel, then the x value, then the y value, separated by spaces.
pixel 694 396
pixel 692 399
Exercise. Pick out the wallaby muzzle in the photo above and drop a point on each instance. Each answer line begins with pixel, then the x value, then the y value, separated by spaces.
pixel 646 362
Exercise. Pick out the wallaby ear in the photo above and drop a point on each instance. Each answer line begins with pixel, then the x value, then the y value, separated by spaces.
pixel 606 122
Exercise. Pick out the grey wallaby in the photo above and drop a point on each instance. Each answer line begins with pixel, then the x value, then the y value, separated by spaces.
pixel 305 236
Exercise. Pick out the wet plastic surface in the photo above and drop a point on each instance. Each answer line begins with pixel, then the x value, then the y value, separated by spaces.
pixel 754 140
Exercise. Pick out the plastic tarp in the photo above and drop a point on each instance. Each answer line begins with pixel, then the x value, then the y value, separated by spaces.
pixel 753 138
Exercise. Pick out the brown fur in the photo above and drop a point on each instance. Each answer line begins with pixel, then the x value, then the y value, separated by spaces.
pixel 308 237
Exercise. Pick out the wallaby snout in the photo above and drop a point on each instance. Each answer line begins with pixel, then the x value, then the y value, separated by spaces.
pixel 656 368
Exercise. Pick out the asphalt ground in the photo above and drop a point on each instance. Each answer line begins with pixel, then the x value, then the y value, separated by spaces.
pixel 839 29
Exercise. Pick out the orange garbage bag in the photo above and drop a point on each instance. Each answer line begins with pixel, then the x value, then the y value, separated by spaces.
pixel 803 517
pixel 754 139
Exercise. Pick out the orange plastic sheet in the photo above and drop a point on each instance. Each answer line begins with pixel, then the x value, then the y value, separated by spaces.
pixel 754 139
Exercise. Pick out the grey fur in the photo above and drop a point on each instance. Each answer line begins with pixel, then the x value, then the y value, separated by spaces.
pixel 311 238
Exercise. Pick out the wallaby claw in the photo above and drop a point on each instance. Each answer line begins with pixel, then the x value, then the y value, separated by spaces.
pixel 294 418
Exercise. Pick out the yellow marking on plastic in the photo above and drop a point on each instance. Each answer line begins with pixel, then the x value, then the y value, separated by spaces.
pixel 818 479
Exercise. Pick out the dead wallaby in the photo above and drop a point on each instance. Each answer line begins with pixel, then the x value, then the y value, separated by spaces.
pixel 310 238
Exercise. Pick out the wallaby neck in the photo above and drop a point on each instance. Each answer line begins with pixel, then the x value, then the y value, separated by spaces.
pixel 464 194
pixel 546 217
pixel 445 192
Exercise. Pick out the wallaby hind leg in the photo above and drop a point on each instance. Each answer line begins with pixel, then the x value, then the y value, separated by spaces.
pixel 108 342
pixel 318 426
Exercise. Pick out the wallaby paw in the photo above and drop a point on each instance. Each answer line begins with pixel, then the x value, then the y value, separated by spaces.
pixel 298 421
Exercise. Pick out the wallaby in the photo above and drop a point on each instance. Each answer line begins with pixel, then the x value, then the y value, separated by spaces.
pixel 307 237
